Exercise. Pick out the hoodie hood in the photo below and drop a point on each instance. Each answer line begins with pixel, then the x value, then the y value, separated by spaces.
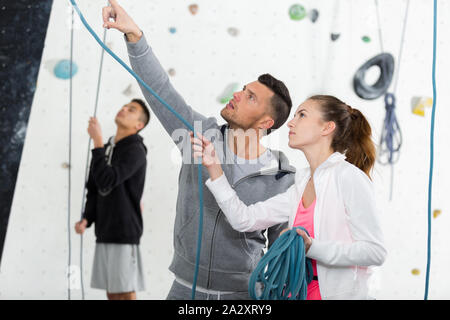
pixel 127 141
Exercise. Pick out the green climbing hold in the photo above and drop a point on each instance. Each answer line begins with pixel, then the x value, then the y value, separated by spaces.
pixel 297 12
pixel 366 39
pixel 227 93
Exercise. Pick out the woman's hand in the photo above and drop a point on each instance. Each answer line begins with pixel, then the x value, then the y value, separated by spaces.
pixel 204 149
pixel 306 239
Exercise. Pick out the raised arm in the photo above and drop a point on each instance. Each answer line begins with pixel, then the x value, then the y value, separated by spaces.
pixel 146 65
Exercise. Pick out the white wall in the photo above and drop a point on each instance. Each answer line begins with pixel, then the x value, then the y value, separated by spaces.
pixel 206 59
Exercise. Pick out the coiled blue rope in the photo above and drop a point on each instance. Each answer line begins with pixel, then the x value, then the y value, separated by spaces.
pixel 284 271
pixel 187 124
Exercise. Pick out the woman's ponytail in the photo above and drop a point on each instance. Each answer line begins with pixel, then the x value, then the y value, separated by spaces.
pixel 360 147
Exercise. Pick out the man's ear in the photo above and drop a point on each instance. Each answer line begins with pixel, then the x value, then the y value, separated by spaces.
pixel 266 123
pixel 140 125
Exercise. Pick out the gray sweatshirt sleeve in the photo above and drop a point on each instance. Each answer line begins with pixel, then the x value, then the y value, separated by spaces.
pixel 146 65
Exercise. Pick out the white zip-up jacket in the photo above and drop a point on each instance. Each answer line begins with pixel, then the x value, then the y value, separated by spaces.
pixel 348 237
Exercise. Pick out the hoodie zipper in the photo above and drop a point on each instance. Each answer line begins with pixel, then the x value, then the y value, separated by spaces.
pixel 218 214
pixel 256 174
pixel 208 283
pixel 211 250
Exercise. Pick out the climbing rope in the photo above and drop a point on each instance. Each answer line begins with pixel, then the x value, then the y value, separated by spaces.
pixel 284 271
pixel 86 170
pixel 187 124
pixel 430 179
pixel 69 188
pixel 384 61
pixel 391 135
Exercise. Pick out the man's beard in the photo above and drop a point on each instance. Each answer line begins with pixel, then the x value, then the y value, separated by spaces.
pixel 235 124
pixel 229 119
pixel 224 115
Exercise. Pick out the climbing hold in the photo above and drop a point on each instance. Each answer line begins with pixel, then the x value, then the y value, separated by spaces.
pixel 172 30
pixel 227 94
pixel 62 69
pixel 313 15
pixel 193 8
pixel 436 213
pixel 418 105
pixel 65 165
pixel 297 12
pixel 385 61
pixel 415 271
pixel 366 39
pixel 171 72
pixel 128 91
pixel 335 36
pixel 233 31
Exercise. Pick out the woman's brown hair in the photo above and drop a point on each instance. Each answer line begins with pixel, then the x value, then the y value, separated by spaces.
pixel 353 134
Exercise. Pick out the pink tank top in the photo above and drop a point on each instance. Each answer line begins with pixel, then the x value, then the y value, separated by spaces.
pixel 305 219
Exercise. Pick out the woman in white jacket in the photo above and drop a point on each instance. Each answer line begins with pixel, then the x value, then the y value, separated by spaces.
pixel 333 198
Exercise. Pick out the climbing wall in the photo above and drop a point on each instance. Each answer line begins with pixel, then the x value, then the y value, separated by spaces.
pixel 208 49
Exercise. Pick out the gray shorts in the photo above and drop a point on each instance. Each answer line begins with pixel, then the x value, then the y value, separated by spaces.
pixel 117 268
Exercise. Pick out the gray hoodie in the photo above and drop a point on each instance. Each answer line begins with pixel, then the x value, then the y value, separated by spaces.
pixel 227 257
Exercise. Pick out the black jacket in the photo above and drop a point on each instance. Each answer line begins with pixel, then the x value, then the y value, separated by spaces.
pixel 115 187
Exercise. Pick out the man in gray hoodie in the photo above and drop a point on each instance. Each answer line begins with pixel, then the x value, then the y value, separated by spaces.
pixel 227 257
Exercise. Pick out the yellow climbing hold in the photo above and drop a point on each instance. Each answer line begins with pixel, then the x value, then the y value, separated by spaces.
pixel 436 213
pixel 418 105
pixel 415 271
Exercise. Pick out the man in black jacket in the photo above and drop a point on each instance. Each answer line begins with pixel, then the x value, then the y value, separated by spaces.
pixel 115 187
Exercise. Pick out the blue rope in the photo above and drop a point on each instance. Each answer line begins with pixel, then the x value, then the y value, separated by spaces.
pixel 69 188
pixel 284 270
pixel 391 136
pixel 187 124
pixel 430 181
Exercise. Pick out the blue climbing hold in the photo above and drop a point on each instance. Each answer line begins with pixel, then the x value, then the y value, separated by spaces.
pixel 172 30
pixel 62 69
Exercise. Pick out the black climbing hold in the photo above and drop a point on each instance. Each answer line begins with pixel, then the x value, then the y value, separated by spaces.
pixel 335 36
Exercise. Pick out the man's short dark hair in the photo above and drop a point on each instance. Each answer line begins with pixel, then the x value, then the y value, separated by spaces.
pixel 145 118
pixel 281 102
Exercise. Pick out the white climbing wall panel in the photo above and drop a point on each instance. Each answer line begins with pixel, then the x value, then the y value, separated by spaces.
pixel 206 57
